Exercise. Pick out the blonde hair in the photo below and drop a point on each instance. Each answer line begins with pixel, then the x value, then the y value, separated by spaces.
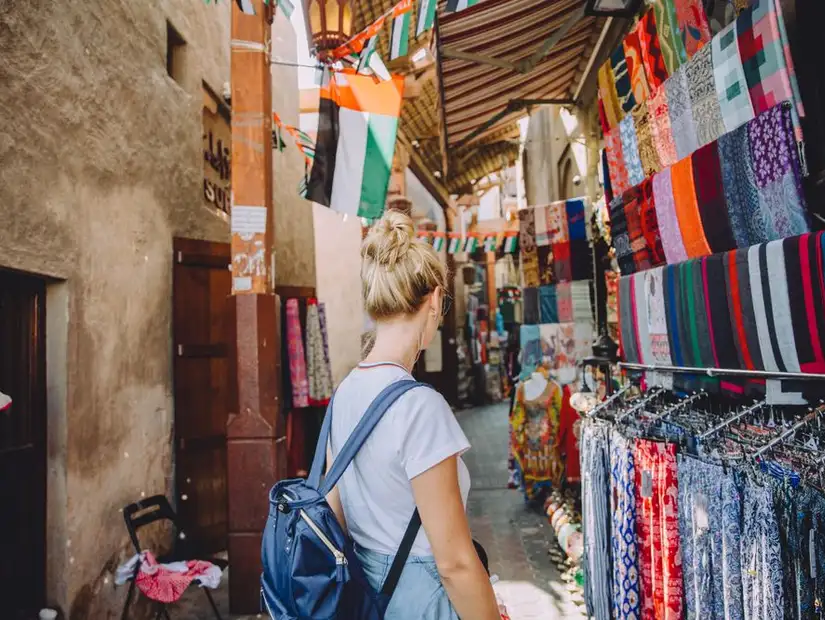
pixel 398 271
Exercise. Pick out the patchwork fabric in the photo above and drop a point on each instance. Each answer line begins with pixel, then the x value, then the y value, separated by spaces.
pixel 621 77
pixel 630 149
pixel 660 130
pixel 682 122
pixel 653 59
pixel 731 86
pixel 707 114
pixel 635 66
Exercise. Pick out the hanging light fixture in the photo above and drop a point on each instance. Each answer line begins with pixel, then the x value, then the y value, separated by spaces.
pixel 612 8
pixel 329 24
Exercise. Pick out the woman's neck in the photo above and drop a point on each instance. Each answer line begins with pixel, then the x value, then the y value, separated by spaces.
pixel 396 342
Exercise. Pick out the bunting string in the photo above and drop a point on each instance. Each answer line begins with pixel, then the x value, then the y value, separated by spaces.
pixel 455 243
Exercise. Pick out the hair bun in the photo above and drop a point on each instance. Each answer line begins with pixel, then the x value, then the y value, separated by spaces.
pixel 390 239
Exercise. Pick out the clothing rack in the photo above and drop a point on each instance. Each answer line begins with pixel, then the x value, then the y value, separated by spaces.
pixel 731 372
pixel 610 400
pixel 730 421
pixel 813 415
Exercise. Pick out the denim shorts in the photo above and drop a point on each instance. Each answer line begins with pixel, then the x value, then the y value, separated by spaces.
pixel 419 594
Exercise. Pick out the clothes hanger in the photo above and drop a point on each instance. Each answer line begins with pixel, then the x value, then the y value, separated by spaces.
pixel 728 422
pixel 674 408
pixel 812 415
pixel 647 398
pixel 601 406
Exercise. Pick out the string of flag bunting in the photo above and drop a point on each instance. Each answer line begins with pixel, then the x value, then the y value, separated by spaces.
pixel 302 141
pixel 455 243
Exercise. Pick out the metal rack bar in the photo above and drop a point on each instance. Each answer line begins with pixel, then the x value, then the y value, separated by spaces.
pixel 613 398
pixel 730 421
pixel 789 433
pixel 730 372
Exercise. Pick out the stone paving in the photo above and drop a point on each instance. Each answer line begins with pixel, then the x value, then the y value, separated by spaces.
pixel 515 536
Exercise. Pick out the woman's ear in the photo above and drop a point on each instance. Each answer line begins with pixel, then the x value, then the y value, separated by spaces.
pixel 435 301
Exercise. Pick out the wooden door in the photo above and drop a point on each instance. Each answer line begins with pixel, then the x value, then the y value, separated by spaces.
pixel 203 328
pixel 23 444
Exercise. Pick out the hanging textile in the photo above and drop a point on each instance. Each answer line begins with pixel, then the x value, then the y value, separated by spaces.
pixel 653 59
pixel 748 223
pixel 648 154
pixel 704 102
pixel 619 180
pixel 531 306
pixel 613 112
pixel 761 564
pixel 693 25
pixel 682 122
pixel 561 262
pixel 621 77
pixel 546 264
pixel 630 150
pixel 731 87
pixel 660 129
pixel 657 317
pixel 710 196
pixel 626 591
pixel 576 219
pixel 564 303
pixel 687 209
pixel 319 372
pixel 530 341
pixel 549 311
pixel 673 48
pixel 297 360
pixel 635 66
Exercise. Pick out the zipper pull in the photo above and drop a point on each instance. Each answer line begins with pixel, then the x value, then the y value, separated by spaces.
pixel 341 569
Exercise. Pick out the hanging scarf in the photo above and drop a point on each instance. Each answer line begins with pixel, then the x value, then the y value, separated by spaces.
pixel 638 244
pixel 668 221
pixel 318 370
pixel 620 237
pixel 575 219
pixel 693 25
pixel 652 58
pixel 656 317
pixel 660 130
pixel 548 304
pixel 673 49
pixel 687 210
pixel 564 302
pixel 710 196
pixel 546 263
pixel 530 268
pixel 778 172
pixel 647 151
pixel 617 169
pixel 562 266
pixel 630 149
pixel 704 103
pixel 297 359
pixel 681 115
pixel 621 77
pixel 530 301
pixel 527 230
pixel 650 224
pixel 613 112
pixel 635 66
pixel 748 224
pixel 731 87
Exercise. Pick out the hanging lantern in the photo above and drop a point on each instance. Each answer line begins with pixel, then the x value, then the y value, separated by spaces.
pixel 613 8
pixel 329 24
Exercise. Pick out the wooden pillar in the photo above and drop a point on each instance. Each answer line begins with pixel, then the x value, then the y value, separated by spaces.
pixel 255 458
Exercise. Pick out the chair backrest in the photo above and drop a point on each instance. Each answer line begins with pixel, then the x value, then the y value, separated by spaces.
pixel 146 511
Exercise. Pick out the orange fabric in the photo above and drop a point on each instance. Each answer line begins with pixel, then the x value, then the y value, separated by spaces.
pixel 687 210
pixel 364 94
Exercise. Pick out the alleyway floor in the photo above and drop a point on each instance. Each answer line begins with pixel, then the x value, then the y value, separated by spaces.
pixel 516 538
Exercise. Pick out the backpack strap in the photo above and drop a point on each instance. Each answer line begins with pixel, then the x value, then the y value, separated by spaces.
pixel 362 431
pixel 401 556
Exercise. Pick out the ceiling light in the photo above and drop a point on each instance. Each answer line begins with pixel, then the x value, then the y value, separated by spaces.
pixel 474 181
pixel 416 143
pixel 437 174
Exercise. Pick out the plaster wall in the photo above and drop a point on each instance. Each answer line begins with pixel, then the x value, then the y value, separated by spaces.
pixel 338 258
pixel 101 165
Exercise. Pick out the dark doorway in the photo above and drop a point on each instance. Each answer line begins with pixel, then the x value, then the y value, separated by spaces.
pixel 23 444
pixel 203 331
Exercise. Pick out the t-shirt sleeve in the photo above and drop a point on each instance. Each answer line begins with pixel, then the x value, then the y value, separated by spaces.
pixel 429 431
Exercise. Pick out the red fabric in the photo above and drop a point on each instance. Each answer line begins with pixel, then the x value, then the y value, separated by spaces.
pixel 657 531
pixel 650 225
pixel 693 24
pixel 615 162
pixel 161 584
pixel 652 58
pixel 736 310
pixel 808 275
pixel 295 445
pixel 568 431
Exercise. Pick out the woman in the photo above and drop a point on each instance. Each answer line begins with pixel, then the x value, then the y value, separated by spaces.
pixel 413 457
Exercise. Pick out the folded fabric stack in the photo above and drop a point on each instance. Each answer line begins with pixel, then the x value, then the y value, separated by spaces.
pixel 759 308
pixel 649 122
pixel 555 244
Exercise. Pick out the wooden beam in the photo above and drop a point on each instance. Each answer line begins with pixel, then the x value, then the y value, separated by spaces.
pixel 446 52
pixel 531 63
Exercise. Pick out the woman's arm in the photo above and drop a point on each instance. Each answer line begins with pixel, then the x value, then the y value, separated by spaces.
pixel 438 498
pixel 334 497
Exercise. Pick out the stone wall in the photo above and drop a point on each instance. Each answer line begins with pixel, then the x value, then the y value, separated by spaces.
pixel 101 166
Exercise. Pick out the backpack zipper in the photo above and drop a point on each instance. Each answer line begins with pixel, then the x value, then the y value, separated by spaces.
pixel 340 558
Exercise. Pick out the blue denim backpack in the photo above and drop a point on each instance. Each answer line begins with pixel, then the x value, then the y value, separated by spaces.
pixel 310 568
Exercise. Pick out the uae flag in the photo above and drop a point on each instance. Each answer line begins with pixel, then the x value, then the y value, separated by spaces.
pixel 426 16
pixel 455 244
pixel 357 125
pixel 438 242
pixel 470 244
pixel 510 243
pixel 490 243
pixel 454 6
pixel 400 37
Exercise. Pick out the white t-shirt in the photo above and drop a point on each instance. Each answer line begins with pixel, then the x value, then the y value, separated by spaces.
pixel 418 432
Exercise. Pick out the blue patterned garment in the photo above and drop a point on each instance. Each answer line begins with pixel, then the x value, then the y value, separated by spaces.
pixel 630 150
pixel 596 564
pixel 626 596
pixel 709 528
pixel 810 549
pixel 747 220
pixel 761 555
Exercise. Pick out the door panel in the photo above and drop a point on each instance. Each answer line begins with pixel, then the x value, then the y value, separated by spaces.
pixel 23 444
pixel 202 331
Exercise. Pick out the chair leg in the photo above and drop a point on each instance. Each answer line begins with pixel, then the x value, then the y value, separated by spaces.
pixel 212 603
pixel 128 599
